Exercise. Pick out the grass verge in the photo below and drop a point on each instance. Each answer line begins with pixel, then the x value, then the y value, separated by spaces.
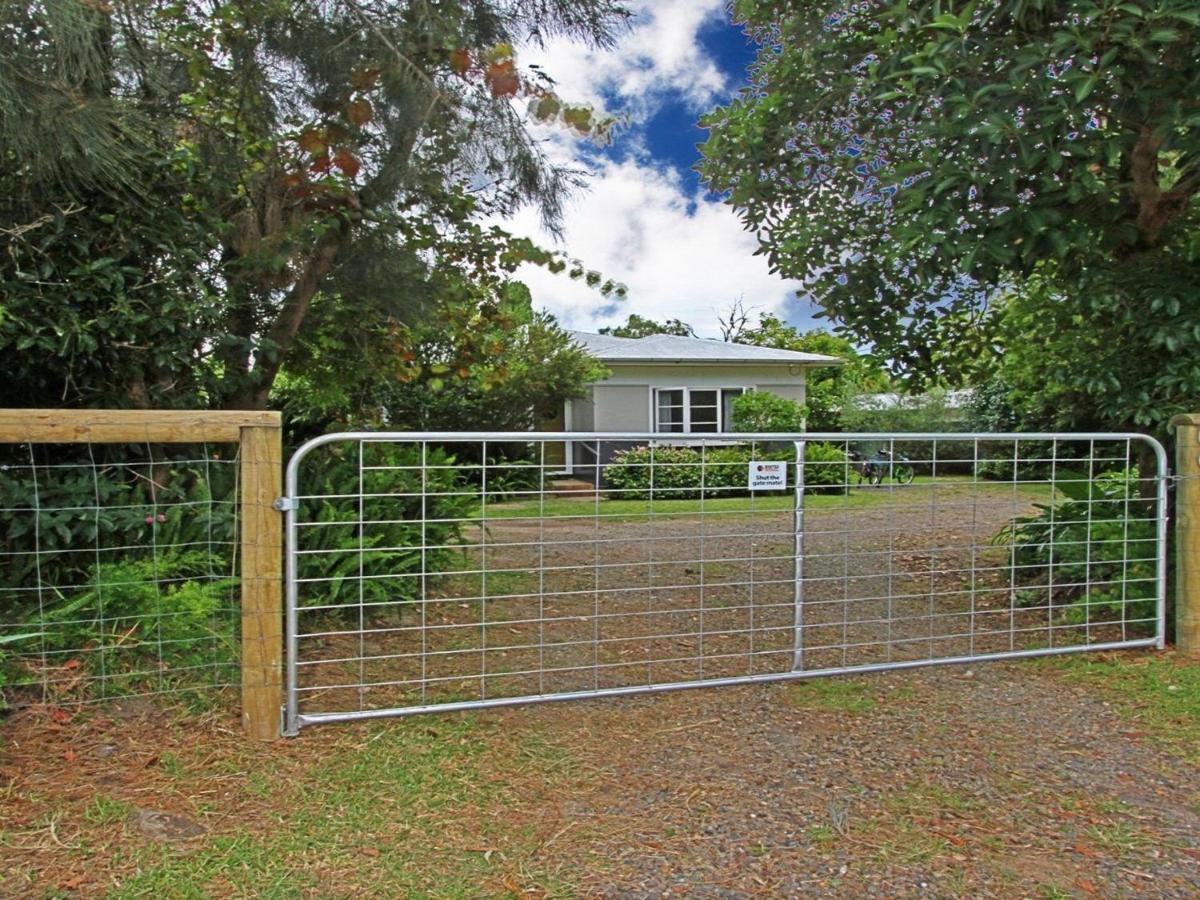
pixel 918 493
pixel 409 809
pixel 1159 693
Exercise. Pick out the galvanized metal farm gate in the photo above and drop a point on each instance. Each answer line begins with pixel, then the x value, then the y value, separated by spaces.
pixel 448 571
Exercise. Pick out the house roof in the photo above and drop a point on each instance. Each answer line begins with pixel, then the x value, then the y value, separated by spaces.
pixel 670 348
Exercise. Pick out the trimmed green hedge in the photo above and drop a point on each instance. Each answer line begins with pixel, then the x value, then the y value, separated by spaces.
pixel 682 473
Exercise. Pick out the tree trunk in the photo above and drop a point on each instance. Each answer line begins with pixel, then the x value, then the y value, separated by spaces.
pixel 269 358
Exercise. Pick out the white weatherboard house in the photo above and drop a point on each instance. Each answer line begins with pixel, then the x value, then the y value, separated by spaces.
pixel 673 385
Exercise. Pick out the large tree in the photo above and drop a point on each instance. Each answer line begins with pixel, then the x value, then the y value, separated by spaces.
pixel 478 364
pixel 827 388
pixel 912 161
pixel 639 326
pixel 313 144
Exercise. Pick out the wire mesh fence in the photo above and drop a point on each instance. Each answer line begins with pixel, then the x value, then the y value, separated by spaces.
pixel 118 570
pixel 444 571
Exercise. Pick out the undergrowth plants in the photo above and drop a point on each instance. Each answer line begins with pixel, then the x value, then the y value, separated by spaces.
pixel 684 473
pixel 1092 553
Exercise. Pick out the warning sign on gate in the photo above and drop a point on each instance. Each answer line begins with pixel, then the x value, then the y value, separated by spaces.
pixel 768 476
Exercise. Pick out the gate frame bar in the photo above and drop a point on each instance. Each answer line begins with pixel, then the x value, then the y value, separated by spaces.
pixel 293 720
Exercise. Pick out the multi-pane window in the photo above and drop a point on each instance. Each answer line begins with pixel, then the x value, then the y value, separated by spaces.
pixel 688 410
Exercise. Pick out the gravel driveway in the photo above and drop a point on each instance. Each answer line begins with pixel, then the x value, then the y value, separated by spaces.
pixel 592 600
pixel 1003 780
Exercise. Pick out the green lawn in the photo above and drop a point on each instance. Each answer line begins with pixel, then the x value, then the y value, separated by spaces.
pixel 920 490
pixel 1158 693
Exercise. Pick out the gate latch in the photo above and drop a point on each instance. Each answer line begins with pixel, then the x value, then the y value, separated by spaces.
pixel 286 504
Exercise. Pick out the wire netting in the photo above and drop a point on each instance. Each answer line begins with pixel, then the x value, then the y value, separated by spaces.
pixel 443 571
pixel 118 570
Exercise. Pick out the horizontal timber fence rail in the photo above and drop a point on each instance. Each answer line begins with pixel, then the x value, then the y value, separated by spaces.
pixel 142 554
pixel 446 571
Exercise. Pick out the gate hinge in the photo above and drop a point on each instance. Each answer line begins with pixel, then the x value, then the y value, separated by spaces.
pixel 286 504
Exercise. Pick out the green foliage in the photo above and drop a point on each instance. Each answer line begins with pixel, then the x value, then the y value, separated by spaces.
pixel 112 559
pixel 471 366
pixel 639 326
pixel 907 160
pixel 933 410
pixel 686 473
pixel 825 387
pixel 1098 546
pixel 140 623
pixel 1111 348
pixel 765 413
pixel 404 507
pixel 216 169
pixel 59 518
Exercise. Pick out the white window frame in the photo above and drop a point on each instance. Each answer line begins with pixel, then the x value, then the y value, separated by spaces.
pixel 722 425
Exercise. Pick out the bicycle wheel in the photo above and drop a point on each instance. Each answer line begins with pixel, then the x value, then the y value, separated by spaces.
pixel 905 474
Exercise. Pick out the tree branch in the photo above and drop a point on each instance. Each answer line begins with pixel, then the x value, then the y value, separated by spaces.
pixel 282 333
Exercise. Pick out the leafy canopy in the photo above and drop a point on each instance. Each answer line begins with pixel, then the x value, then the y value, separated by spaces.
pixel 638 327
pixel 315 146
pixel 827 388
pixel 908 159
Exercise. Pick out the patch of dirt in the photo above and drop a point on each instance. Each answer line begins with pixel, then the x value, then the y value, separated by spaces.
pixel 1001 780
pixel 998 781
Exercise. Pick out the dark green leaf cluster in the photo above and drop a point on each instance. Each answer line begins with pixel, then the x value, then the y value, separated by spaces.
pixel 907 160
pixel 687 473
pixel 1092 556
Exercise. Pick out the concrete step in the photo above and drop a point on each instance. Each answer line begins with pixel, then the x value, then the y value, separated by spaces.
pixel 571 487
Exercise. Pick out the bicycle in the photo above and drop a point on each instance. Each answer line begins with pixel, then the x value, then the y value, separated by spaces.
pixel 882 465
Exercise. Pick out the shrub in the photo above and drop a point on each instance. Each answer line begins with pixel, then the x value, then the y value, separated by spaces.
pixel 681 473
pixel 153 621
pixel 400 512
pixel 58 515
pixel 765 413
pixel 1102 558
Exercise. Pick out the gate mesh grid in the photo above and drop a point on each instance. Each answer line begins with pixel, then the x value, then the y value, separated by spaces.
pixel 446 571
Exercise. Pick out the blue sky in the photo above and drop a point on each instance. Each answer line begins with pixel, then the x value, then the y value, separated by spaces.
pixel 672 132
pixel 645 219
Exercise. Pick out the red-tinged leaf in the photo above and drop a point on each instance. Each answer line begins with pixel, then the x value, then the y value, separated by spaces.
pixel 370 851
pixel 460 61
pixel 579 118
pixel 320 164
pixel 502 79
pixel 347 162
pixel 293 179
pixel 1085 851
pixel 547 108
pixel 312 141
pixel 69 755
pixel 364 79
pixel 73 882
pixel 1086 886
pixel 359 112
pixel 72 664
pixel 952 838
pixel 60 716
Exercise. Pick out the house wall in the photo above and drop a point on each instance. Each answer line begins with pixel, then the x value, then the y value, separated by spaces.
pixel 624 401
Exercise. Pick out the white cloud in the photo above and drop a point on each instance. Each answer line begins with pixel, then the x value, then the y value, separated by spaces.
pixel 640 221
pixel 680 256
pixel 659 55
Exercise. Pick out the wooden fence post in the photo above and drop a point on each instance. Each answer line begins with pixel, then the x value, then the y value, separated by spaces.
pixel 1187 533
pixel 262 580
